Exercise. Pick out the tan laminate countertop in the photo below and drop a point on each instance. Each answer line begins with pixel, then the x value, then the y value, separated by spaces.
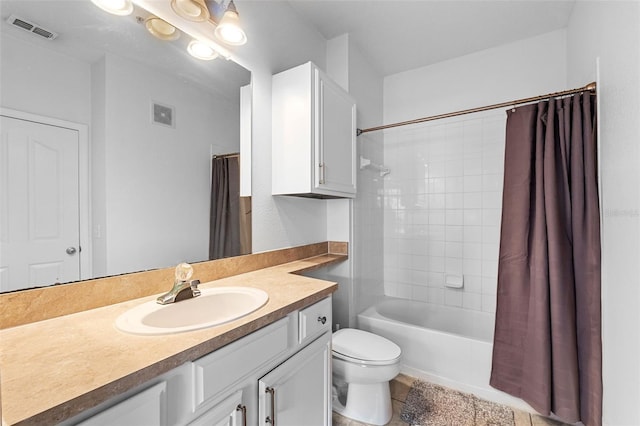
pixel 54 369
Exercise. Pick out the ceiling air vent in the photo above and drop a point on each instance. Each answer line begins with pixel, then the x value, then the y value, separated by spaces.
pixel 31 27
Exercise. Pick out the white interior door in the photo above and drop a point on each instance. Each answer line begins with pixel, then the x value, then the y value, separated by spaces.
pixel 39 204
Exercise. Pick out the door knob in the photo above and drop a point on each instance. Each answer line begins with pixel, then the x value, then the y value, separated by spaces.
pixel 71 250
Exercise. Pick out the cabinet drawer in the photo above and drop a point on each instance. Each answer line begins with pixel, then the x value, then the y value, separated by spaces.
pixel 216 372
pixel 314 320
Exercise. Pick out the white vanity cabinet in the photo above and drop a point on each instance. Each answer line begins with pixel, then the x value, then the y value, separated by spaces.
pixel 234 370
pixel 298 392
pixel 163 401
pixel 313 135
pixel 227 386
pixel 146 407
pixel 230 412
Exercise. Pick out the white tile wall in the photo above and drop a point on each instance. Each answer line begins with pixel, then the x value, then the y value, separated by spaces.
pixel 442 210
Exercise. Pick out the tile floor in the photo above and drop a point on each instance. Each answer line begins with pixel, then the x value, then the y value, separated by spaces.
pixel 400 387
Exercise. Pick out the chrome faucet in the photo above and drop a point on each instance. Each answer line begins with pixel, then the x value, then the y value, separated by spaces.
pixel 182 288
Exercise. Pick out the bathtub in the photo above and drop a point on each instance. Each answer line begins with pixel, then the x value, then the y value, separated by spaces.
pixel 443 345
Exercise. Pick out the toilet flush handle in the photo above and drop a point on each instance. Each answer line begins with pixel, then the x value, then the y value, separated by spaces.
pixel 322 320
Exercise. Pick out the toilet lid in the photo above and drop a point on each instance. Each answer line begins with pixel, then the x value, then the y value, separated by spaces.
pixel 363 345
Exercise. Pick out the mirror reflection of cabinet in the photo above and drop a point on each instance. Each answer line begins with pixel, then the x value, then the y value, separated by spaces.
pixel 313 135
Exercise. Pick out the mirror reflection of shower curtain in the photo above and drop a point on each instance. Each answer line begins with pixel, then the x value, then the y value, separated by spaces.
pixel 230 216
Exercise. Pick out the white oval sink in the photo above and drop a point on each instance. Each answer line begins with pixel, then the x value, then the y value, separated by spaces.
pixel 213 307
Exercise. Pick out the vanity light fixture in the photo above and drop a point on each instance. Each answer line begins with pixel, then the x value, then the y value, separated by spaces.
pixel 116 7
pixel 191 10
pixel 228 29
pixel 223 21
pixel 201 50
pixel 161 29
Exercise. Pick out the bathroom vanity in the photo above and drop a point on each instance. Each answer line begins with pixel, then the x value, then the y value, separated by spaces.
pixel 280 371
pixel 80 369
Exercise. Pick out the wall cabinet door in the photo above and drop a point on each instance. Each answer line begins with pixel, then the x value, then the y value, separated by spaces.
pixel 298 391
pixel 313 135
pixel 334 141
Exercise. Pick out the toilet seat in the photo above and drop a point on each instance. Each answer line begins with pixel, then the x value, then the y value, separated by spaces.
pixel 364 348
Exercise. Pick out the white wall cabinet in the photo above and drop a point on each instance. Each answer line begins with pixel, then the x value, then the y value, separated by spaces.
pixel 313 135
pixel 226 387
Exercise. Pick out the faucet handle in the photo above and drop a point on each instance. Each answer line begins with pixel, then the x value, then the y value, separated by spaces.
pixel 183 272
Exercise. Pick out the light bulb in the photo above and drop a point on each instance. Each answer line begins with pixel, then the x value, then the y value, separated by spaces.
pixel 116 7
pixel 229 29
pixel 192 10
pixel 189 8
pixel 201 50
pixel 232 34
pixel 161 29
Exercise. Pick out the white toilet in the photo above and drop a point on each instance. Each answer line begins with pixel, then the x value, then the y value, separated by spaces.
pixel 363 365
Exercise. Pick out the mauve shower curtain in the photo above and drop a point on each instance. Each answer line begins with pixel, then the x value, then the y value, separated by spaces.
pixel 547 344
pixel 224 240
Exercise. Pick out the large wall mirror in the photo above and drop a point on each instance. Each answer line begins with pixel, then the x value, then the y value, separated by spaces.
pixel 136 122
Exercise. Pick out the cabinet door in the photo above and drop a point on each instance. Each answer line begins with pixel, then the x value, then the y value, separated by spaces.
pixel 297 393
pixel 146 408
pixel 230 412
pixel 335 138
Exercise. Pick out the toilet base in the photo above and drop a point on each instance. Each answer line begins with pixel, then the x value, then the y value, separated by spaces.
pixel 370 403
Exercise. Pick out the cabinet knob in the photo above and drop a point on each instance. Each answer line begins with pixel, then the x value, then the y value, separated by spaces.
pixel 322 320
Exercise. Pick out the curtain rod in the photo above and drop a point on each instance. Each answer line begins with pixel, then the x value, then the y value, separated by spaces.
pixel 591 87
pixel 235 154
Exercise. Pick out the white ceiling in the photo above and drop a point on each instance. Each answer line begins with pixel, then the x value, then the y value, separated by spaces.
pixel 399 35
pixel 395 35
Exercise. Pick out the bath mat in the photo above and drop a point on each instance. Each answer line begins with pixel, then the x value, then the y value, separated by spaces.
pixel 428 404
